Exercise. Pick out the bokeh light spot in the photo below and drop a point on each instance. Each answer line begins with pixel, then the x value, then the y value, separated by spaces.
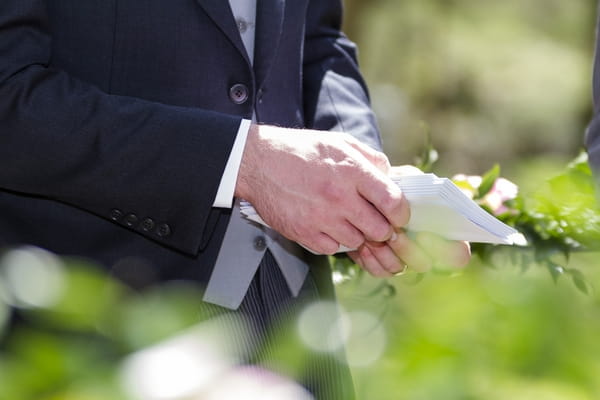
pixel 321 327
pixel 366 339
pixel 33 277
pixel 253 383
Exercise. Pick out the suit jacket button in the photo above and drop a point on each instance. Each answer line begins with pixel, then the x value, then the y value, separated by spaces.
pixel 131 220
pixel 260 243
pixel 242 25
pixel 116 214
pixel 147 224
pixel 163 230
pixel 238 93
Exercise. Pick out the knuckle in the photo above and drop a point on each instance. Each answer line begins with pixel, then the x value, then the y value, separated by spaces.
pixel 391 202
pixel 322 244
pixel 355 242
pixel 332 193
pixel 329 248
pixel 296 228
pixel 381 161
pixel 300 231
pixel 352 170
pixel 378 232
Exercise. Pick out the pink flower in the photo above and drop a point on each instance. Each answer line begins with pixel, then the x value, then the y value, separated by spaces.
pixel 502 191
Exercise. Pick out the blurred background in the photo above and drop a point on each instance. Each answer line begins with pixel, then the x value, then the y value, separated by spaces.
pixel 505 82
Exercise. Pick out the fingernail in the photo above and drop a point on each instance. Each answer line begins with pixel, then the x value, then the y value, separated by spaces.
pixel 394 236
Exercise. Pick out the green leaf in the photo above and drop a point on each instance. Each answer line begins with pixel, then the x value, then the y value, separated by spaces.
pixel 429 155
pixel 465 185
pixel 488 180
pixel 580 163
pixel 555 270
pixel 580 281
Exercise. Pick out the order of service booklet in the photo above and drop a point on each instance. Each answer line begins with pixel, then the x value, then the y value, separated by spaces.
pixel 437 205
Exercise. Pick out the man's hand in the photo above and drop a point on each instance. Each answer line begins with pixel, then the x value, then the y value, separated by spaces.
pixel 320 189
pixel 420 251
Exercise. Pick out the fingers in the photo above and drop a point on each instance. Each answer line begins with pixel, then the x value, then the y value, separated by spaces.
pixel 428 250
pixel 444 253
pixel 378 259
pixel 371 263
pixel 377 187
pixel 420 254
pixel 368 220
pixel 387 197
pixel 292 176
pixel 346 234
pixel 354 256
pixel 385 258
pixel 411 252
pixel 320 244
pixel 462 254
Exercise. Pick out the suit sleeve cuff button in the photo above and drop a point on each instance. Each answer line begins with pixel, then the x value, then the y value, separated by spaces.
pixel 116 214
pixel 147 224
pixel 163 230
pixel 131 220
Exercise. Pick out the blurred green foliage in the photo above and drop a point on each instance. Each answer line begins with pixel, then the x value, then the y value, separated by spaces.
pixel 499 329
pixel 561 217
pixel 496 81
pixel 505 83
pixel 485 334
pixel 74 346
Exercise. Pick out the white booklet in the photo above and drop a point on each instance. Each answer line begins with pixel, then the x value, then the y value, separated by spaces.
pixel 437 205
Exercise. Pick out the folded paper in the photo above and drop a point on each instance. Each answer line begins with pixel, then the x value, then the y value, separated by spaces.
pixel 437 205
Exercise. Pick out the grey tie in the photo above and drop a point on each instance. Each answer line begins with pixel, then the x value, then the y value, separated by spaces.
pixel 245 242
pixel 241 252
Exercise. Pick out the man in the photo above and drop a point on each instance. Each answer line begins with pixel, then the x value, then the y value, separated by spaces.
pixel 125 134
pixel 592 134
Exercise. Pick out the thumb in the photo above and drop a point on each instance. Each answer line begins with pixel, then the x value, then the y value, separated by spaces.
pixel 404 170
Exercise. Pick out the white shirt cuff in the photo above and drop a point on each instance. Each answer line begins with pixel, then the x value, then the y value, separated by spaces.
pixel 224 197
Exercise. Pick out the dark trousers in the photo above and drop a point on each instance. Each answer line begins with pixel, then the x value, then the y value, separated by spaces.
pixel 272 314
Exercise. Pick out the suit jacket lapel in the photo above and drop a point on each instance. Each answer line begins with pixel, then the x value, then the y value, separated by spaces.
pixel 269 25
pixel 220 12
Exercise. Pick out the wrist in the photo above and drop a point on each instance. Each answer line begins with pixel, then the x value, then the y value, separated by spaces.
pixel 249 165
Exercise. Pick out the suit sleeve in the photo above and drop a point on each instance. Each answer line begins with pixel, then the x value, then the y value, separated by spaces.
pixel 592 134
pixel 65 140
pixel 335 94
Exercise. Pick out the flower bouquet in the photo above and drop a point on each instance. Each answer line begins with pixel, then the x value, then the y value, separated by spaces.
pixel 560 217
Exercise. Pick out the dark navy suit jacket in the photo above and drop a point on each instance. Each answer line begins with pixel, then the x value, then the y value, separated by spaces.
pixel 116 118
pixel 592 134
